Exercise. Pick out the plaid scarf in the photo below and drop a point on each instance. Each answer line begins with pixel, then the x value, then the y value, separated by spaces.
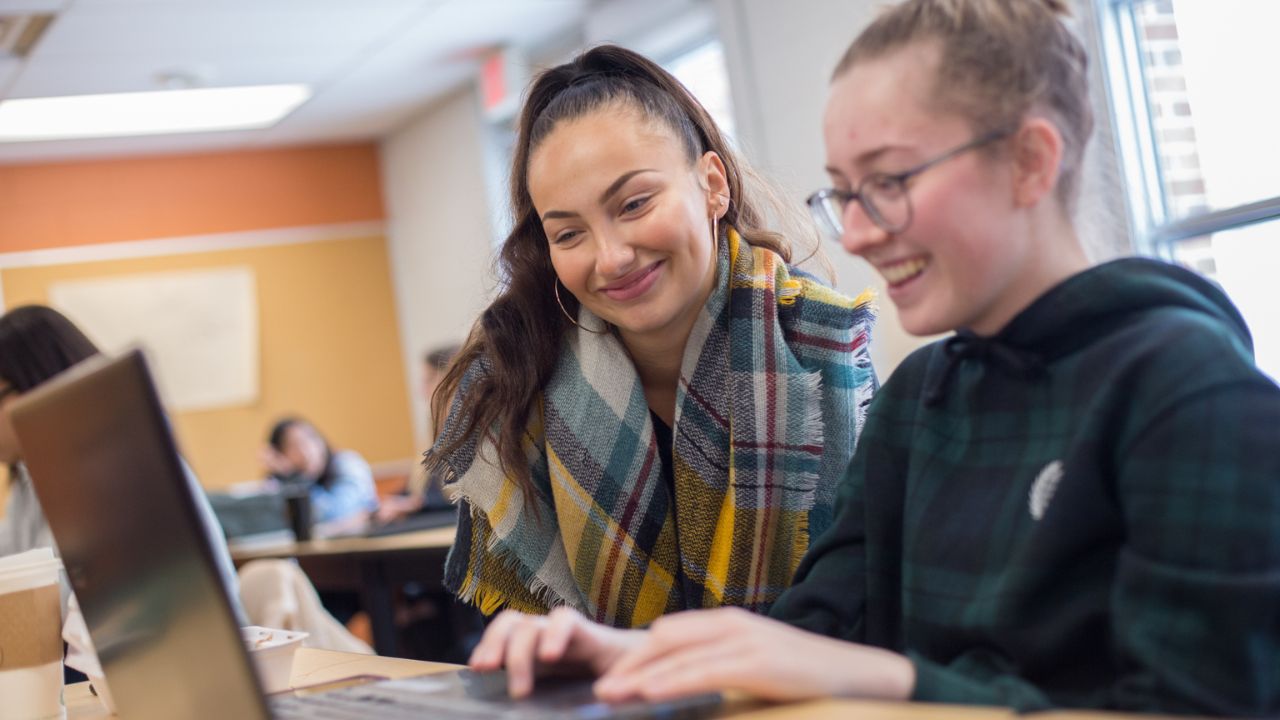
pixel 773 389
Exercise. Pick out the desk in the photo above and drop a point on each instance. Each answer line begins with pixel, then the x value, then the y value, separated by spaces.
pixel 373 567
pixel 311 667
pixel 438 539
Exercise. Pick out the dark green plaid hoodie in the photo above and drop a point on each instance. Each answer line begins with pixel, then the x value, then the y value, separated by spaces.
pixel 1082 511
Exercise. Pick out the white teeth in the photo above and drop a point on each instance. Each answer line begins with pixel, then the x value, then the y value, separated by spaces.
pixel 900 272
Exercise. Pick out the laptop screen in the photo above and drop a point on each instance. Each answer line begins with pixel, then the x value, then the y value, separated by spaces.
pixel 108 475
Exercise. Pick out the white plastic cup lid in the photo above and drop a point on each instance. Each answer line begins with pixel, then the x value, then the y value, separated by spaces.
pixel 27 570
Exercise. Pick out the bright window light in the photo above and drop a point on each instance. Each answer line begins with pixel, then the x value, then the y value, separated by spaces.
pixel 148 113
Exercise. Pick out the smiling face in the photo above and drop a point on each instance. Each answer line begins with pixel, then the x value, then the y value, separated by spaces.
pixel 628 219
pixel 961 261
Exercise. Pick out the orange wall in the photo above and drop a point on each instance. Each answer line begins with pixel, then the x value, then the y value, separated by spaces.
pixel 80 203
pixel 330 346
pixel 329 349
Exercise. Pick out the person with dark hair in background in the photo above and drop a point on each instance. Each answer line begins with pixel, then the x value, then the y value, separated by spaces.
pixel 422 490
pixel 652 414
pixel 435 363
pixel 340 492
pixel 36 344
pixel 340 484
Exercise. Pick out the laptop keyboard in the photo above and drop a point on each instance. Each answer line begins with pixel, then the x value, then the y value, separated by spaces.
pixel 415 699
pixel 356 704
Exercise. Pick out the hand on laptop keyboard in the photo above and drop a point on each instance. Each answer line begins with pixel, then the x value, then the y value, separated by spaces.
pixel 521 643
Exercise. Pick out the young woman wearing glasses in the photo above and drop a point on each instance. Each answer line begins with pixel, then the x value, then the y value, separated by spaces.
pixel 1072 501
pixel 652 414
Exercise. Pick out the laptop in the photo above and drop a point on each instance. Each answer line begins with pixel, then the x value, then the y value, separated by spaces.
pixel 249 515
pixel 426 519
pixel 260 517
pixel 109 478
pixel 436 512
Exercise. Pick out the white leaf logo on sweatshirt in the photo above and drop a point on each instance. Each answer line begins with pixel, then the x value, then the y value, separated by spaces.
pixel 1043 488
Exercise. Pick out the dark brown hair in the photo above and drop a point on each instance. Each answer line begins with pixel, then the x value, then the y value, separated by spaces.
pixel 999 59
pixel 519 337
pixel 275 438
pixel 38 342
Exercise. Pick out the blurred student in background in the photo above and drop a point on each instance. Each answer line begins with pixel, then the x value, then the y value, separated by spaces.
pixel 434 364
pixel 340 483
pixel 37 343
pixel 422 490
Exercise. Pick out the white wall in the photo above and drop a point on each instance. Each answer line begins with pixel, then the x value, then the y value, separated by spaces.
pixel 438 230
pixel 780 56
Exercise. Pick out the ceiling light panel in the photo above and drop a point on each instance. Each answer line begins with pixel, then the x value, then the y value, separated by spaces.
pixel 148 113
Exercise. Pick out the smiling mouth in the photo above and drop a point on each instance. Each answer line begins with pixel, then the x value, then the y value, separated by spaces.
pixel 900 272
pixel 633 285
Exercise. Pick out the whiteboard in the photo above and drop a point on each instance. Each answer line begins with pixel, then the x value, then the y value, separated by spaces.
pixel 199 329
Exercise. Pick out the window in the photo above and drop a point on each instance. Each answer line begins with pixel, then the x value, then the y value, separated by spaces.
pixel 1195 116
pixel 702 70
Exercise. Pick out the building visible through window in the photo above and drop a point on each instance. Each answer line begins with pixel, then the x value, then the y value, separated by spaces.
pixel 1190 83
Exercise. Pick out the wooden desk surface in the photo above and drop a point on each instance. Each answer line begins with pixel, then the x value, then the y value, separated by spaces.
pixel 441 538
pixel 373 567
pixel 311 667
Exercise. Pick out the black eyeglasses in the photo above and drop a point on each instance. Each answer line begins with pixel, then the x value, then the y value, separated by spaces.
pixel 883 196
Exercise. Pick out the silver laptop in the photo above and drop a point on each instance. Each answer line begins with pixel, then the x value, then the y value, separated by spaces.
pixel 109 478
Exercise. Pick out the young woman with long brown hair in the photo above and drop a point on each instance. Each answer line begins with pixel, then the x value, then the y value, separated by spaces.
pixel 650 415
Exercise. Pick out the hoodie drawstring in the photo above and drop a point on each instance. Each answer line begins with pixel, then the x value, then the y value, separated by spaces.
pixel 965 344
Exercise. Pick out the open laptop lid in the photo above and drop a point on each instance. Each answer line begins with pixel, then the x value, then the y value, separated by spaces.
pixel 108 475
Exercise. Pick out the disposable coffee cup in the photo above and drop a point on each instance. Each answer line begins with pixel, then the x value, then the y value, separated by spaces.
pixel 272 652
pixel 31 637
pixel 298 509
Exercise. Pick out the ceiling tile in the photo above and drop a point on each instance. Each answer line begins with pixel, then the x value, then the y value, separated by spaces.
pixel 372 63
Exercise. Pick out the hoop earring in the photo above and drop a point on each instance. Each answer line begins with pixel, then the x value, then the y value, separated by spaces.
pixel 555 287
pixel 715 227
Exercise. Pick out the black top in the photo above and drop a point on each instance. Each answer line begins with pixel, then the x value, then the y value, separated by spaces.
pixel 1081 511
pixel 662 435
